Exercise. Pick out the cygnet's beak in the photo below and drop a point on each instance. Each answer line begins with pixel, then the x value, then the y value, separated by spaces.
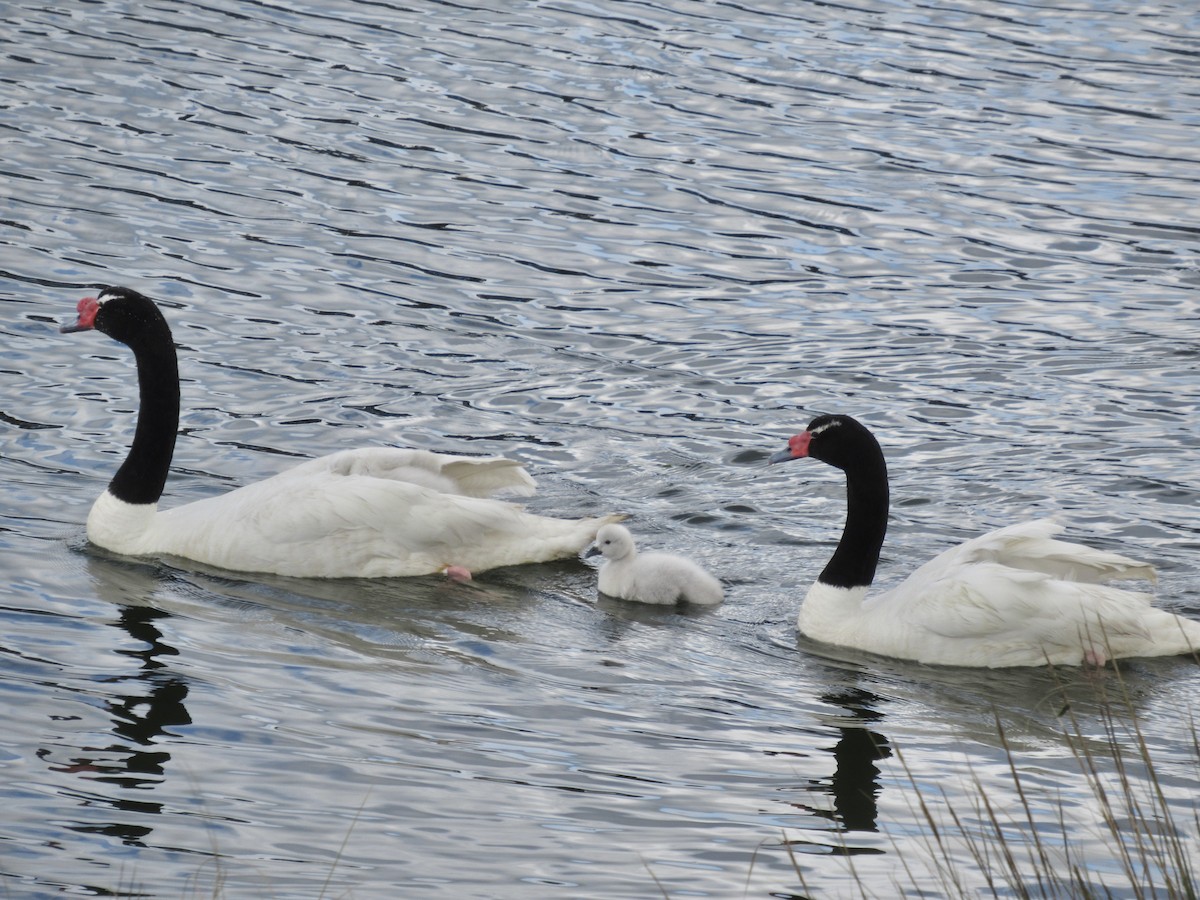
pixel 591 551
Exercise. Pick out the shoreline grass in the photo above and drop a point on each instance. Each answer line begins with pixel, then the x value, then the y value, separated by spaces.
pixel 979 848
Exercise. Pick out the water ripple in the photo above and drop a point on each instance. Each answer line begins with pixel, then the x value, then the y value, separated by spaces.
pixel 636 245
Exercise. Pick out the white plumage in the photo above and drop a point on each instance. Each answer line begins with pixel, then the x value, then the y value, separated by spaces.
pixel 368 513
pixel 1012 597
pixel 375 512
pixel 1016 596
pixel 651 577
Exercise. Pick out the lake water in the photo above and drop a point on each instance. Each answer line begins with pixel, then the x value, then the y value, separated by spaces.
pixel 636 245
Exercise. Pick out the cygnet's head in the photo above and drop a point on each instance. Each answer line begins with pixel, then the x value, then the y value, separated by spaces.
pixel 614 541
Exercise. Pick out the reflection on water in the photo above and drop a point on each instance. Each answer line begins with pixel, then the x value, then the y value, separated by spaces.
pixel 855 783
pixel 144 706
pixel 635 246
pixel 854 786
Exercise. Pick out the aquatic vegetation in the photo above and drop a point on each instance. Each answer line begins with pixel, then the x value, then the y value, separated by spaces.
pixel 1037 847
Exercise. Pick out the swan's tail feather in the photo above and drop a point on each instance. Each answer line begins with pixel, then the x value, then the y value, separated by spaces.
pixel 585 533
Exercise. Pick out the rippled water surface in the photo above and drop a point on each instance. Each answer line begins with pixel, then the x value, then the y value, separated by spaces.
pixel 635 245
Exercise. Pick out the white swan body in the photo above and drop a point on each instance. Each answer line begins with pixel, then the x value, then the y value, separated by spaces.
pixel 1016 596
pixel 1012 597
pixel 652 577
pixel 367 513
pixel 376 512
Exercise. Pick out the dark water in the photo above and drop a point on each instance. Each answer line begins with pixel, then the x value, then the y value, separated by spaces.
pixel 635 245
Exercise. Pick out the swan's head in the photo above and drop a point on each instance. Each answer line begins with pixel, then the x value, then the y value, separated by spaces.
pixel 614 542
pixel 837 440
pixel 119 312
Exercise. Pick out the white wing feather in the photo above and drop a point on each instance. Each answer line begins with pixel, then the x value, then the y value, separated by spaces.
pixel 471 476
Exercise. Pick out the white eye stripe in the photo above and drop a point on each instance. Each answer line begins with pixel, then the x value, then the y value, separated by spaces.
pixel 824 427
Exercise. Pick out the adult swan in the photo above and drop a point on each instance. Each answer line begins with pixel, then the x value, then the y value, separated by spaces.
pixel 372 513
pixel 1013 597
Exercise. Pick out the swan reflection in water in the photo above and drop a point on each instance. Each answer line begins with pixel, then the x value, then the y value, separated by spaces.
pixel 144 705
pixel 854 785
pixel 855 780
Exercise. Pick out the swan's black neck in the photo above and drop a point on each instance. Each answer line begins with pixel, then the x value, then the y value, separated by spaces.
pixel 847 444
pixel 135 321
pixel 853 563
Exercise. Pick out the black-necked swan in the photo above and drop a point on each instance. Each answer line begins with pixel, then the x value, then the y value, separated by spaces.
pixel 652 577
pixel 1012 597
pixel 371 513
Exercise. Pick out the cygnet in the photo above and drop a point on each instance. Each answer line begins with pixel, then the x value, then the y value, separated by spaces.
pixel 651 577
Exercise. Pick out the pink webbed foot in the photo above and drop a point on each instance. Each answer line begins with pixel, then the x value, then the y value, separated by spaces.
pixel 1094 657
pixel 457 573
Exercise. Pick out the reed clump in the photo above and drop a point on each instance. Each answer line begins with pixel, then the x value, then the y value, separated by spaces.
pixel 1138 845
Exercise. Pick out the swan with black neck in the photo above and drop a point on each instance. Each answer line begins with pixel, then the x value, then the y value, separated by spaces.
pixel 1017 596
pixel 373 512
